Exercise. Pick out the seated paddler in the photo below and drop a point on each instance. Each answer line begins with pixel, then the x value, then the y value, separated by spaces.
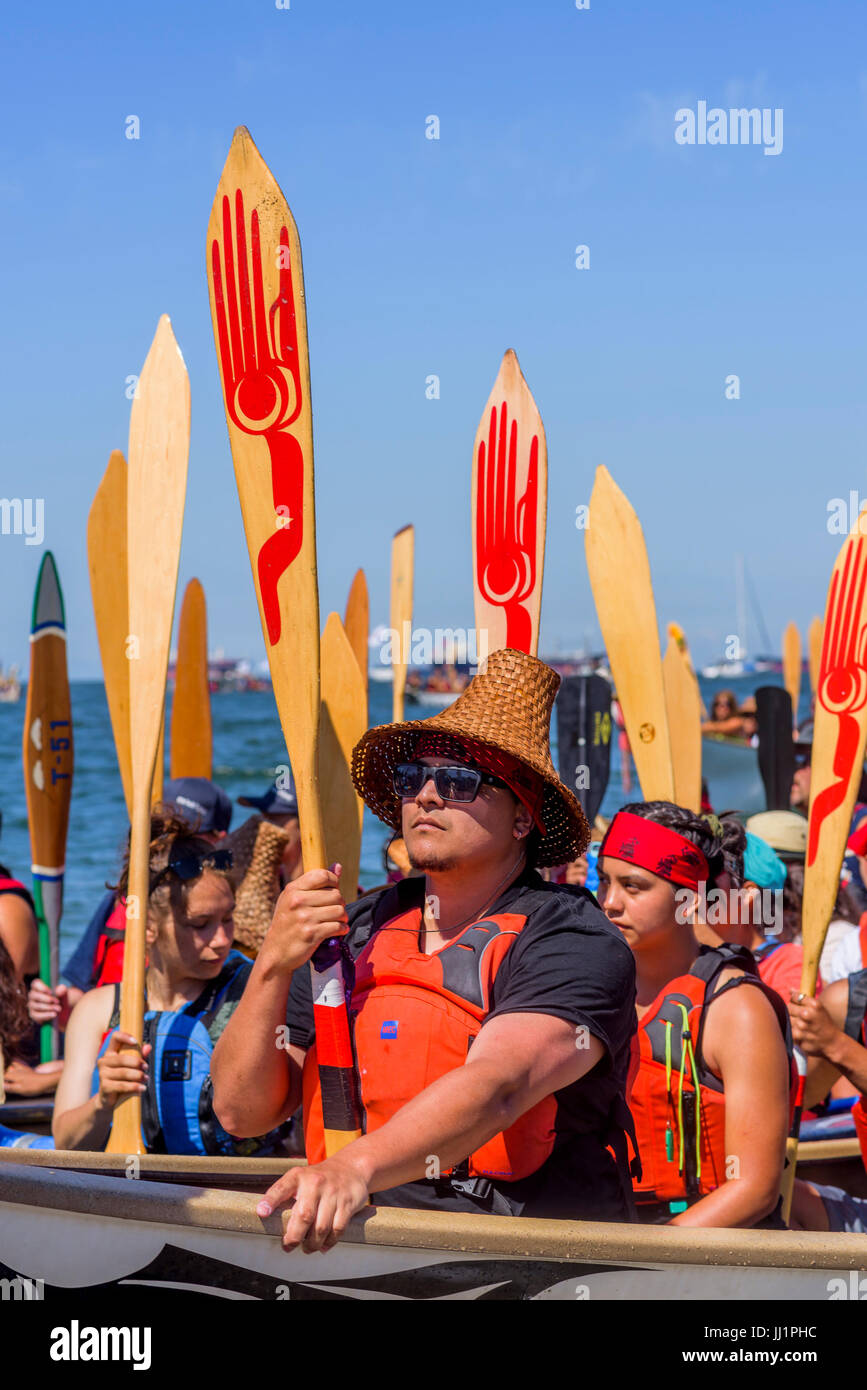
pixel 490 1012
pixel 193 982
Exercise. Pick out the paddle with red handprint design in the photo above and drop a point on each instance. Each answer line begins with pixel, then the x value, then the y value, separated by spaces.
pixel 509 489
pixel 837 761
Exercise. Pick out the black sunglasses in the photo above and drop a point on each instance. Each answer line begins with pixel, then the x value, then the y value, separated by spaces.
pixel 452 783
pixel 187 864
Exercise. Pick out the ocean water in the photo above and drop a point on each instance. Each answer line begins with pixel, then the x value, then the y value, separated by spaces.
pixel 248 748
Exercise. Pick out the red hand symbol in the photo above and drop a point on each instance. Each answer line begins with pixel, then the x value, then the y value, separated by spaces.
pixel 842 684
pixel 262 383
pixel 506 531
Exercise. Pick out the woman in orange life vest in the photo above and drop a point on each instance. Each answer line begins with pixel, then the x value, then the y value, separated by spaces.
pixel 492 1012
pixel 718 1162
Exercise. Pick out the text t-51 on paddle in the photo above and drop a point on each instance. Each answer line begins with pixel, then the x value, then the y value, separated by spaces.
pixel 259 316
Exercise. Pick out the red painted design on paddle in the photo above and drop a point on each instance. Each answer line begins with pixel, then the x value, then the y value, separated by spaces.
pixel 506 528
pixel 842 684
pixel 262 382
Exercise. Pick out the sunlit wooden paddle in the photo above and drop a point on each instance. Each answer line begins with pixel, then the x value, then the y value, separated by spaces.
pixel 814 650
pixel 48 761
pixel 160 764
pixel 159 444
pixel 107 562
pixel 259 316
pixel 344 720
pixel 623 593
pixel 678 636
pixel 683 708
pixel 509 504
pixel 839 737
pixel 356 621
pixel 792 666
pixel 192 744
pixel 356 624
pixel 402 561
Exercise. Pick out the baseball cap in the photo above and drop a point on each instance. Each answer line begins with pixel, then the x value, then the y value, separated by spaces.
pixel 199 801
pixel 784 831
pixel 278 800
pixel 761 865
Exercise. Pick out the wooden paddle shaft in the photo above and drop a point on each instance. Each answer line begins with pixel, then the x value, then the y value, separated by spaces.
pixel 683 708
pixel 619 573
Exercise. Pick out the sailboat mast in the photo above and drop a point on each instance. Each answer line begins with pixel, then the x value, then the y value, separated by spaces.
pixel 741 607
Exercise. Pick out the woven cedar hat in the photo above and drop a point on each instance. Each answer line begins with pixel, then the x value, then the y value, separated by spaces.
pixel 505 710
pixel 257 848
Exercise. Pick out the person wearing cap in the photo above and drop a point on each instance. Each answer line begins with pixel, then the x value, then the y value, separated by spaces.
pixel 491 1012
pixel 98 957
pixel 279 804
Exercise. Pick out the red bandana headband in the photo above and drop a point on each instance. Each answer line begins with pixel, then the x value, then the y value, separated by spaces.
pixel 654 847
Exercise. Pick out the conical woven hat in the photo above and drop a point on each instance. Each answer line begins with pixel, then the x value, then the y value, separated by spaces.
pixel 257 849
pixel 505 709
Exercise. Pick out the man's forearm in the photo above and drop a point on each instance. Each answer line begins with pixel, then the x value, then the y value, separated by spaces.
pixel 256 1084
pixel 436 1129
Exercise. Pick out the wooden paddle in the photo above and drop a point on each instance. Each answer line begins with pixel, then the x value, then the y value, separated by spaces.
pixel 509 504
pixel 48 763
pixel 683 710
pixel 256 285
pixel 839 737
pixel 677 635
pixel 107 562
pixel 159 443
pixel 344 720
pixel 792 666
pixel 192 744
pixel 160 764
pixel 623 593
pixel 356 622
pixel 402 559
pixel 814 649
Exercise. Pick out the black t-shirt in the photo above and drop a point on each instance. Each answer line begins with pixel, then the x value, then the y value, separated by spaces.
pixel 568 962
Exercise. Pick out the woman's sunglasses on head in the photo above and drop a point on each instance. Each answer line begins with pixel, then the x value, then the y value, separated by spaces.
pixel 187 863
pixel 452 783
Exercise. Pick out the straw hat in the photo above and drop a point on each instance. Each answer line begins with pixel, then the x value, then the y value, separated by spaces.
pixel 504 710
pixel 257 848
pixel 784 831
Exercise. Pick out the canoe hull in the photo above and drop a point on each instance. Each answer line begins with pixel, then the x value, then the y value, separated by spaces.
pixel 72 1231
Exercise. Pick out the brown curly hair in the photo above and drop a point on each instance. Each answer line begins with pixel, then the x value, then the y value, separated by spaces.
pixel 14 1019
pixel 168 831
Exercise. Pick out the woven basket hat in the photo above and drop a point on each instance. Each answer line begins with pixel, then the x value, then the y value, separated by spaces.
pixel 507 710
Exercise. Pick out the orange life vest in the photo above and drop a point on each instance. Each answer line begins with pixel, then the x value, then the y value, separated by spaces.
pixel 678 1104
pixel 414 1018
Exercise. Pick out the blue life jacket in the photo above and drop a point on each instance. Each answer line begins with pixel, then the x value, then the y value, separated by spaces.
pixel 177 1107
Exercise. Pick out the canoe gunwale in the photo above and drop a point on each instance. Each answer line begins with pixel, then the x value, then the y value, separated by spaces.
pixel 140 1200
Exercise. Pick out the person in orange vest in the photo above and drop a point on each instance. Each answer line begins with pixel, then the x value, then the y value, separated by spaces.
pixel 491 1012
pixel 710 1092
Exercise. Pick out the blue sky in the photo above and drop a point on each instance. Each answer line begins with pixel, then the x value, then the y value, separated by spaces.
pixel 422 257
